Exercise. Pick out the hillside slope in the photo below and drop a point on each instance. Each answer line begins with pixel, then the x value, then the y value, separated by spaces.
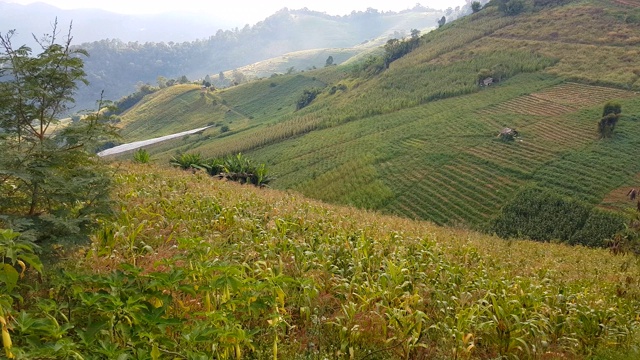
pixel 201 268
pixel 117 66
pixel 419 139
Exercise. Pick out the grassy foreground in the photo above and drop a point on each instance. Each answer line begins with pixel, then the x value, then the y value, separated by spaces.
pixel 195 268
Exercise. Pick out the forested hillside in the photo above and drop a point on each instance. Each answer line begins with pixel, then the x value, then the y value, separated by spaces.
pixel 117 66
pixel 420 138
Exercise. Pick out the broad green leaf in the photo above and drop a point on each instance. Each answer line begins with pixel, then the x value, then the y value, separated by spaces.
pixel 9 275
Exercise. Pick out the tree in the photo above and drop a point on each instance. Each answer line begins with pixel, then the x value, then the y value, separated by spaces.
pixel 238 77
pixel 51 182
pixel 329 61
pixel 442 21
pixel 476 6
pixel 610 116
pixel 308 95
pixel 162 82
pixel 415 34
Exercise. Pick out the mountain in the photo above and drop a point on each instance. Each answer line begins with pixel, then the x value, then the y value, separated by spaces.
pixel 117 66
pixel 128 50
pixel 420 139
pixel 93 25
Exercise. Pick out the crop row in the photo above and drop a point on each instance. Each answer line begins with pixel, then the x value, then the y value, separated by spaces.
pixel 465 190
pixel 530 105
pixel 574 94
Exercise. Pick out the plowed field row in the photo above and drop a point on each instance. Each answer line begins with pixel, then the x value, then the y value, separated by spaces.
pixel 470 189
pixel 529 105
pixel 573 94
pixel 561 134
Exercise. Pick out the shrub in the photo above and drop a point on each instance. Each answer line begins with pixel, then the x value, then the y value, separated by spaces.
pixel 611 107
pixel 187 161
pixel 607 124
pixel 511 7
pixel 141 156
pixel 308 95
pixel 610 116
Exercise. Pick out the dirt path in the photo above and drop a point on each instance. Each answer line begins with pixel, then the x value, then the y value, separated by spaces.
pixel 138 144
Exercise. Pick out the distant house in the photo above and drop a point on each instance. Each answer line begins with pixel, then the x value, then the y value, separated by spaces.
pixel 486 82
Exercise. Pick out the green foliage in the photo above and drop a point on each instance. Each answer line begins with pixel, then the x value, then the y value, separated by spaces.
pixel 370 66
pixel 394 49
pixel 127 102
pixel 141 156
pixel 232 167
pixel 611 108
pixel 308 95
pixel 610 116
pixel 16 253
pixel 607 124
pixel 543 216
pixel 187 161
pixel 50 179
pixel 442 21
pixel 511 7
pixel 329 61
pixel 476 6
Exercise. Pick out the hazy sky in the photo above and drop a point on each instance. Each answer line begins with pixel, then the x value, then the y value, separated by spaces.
pixel 243 11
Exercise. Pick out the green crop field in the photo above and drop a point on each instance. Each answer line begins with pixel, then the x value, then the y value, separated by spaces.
pixel 420 138
pixel 194 268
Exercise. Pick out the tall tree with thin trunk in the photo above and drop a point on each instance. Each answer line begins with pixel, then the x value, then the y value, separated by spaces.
pixel 50 179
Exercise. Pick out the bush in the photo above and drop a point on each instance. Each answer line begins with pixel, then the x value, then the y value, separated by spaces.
pixel 511 7
pixel 308 95
pixel 611 107
pixel 187 161
pixel 233 167
pixel 610 116
pixel 141 156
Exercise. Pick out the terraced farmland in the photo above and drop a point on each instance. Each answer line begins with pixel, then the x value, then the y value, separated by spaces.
pixel 420 138
pixel 440 163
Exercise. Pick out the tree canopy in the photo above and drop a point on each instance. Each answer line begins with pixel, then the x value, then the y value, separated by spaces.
pixel 51 182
